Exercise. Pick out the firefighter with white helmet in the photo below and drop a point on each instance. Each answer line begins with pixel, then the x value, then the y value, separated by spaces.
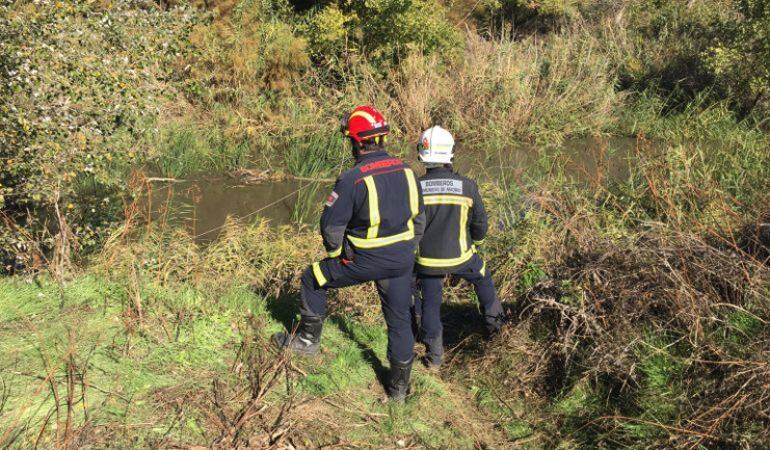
pixel 456 223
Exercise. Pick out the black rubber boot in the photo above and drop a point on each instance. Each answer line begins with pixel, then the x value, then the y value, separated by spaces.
pixel 434 352
pixel 493 322
pixel 398 381
pixel 307 339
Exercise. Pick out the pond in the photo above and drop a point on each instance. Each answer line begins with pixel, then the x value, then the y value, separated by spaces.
pixel 203 203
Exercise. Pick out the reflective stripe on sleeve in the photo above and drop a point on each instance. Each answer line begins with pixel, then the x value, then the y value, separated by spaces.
pixel 414 196
pixel 334 253
pixel 483 269
pixel 374 208
pixel 319 275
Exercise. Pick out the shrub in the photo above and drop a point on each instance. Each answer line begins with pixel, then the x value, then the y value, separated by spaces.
pixel 741 56
pixel 81 87
pixel 249 51
pixel 382 31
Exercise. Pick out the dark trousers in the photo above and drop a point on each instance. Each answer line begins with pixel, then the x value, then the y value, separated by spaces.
pixel 393 285
pixel 432 288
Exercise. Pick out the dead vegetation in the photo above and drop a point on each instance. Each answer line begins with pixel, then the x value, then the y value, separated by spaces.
pixel 661 336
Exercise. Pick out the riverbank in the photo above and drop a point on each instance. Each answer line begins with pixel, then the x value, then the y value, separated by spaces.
pixel 638 314
pixel 183 88
pixel 639 298
pixel 655 339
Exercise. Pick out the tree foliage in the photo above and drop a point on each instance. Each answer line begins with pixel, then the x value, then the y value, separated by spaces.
pixel 254 48
pixel 382 31
pixel 81 87
pixel 740 57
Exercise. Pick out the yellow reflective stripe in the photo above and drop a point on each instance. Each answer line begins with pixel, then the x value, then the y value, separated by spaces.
pixel 447 200
pixel 463 226
pixel 334 253
pixel 479 242
pixel 446 262
pixel 374 208
pixel 483 269
pixel 319 275
pixel 381 241
pixel 414 198
pixel 363 114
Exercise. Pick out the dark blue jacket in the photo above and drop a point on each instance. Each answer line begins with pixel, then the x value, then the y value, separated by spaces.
pixel 375 213
pixel 455 221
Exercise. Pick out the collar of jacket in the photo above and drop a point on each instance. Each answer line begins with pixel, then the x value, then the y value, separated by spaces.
pixel 370 156
pixel 439 169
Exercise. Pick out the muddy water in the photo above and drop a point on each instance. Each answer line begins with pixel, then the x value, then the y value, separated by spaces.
pixel 203 203
pixel 582 160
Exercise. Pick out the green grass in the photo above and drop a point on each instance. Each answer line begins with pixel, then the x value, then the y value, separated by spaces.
pixel 131 365
pixel 511 417
pixel 188 338
pixel 187 149
pixel 322 153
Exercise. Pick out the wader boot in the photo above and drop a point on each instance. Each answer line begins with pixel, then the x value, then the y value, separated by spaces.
pixel 398 382
pixel 307 339
pixel 434 352
pixel 493 323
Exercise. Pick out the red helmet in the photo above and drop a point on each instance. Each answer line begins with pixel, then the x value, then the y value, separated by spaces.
pixel 365 123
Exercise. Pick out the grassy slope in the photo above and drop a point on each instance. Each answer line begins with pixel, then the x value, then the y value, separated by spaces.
pixel 180 375
pixel 145 378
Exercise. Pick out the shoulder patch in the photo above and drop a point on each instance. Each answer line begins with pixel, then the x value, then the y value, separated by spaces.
pixel 331 199
pixel 442 186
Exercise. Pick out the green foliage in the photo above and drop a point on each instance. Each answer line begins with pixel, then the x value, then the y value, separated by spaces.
pixel 329 31
pixel 80 94
pixel 661 387
pixel 686 49
pixel 381 31
pixel 532 275
pixel 251 50
pixel 741 329
pixel 741 56
pixel 318 156
pixel 186 150
pixel 514 426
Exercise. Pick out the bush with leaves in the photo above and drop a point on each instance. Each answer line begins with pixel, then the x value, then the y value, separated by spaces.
pixel 741 56
pixel 253 49
pixel 81 85
pixel 382 31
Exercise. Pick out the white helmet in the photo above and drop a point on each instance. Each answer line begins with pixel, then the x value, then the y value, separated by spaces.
pixel 436 146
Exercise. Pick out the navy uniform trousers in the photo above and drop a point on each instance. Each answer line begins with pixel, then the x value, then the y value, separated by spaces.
pixel 393 286
pixel 432 287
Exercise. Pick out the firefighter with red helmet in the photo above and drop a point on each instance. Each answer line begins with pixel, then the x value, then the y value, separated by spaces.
pixel 371 224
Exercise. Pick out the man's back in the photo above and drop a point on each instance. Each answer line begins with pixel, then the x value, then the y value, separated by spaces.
pixel 455 220
pixel 373 208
